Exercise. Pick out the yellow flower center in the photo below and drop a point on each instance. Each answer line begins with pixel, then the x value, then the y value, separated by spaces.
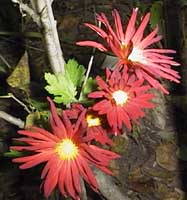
pixel 137 56
pixel 66 149
pixel 120 97
pixel 92 120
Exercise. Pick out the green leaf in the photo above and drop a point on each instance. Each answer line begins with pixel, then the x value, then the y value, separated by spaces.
pixel 64 85
pixel 75 72
pixel 13 154
pixel 61 87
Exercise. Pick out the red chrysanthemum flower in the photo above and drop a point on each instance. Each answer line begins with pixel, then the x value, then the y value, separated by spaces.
pixel 92 122
pixel 95 129
pixel 131 47
pixel 66 153
pixel 122 98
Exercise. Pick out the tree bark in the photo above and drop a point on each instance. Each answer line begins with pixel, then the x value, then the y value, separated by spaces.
pixel 48 24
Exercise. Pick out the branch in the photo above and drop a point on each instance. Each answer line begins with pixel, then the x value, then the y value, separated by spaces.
pixel 41 12
pixel 24 7
pixel 5 61
pixel 10 95
pixel 48 25
pixel 13 120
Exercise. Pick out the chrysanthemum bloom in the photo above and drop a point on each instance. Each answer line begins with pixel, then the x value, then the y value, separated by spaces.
pixel 95 125
pixel 132 49
pixel 95 128
pixel 67 155
pixel 122 99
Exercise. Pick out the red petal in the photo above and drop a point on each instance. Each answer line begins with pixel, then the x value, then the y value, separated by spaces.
pixel 131 26
pixel 48 165
pixel 86 172
pixel 36 135
pixel 67 124
pixel 61 180
pixel 55 116
pixel 92 44
pixel 102 106
pixel 118 25
pixel 52 177
pixel 148 40
pixel 45 133
pixel 96 94
pixel 139 33
pixel 31 161
pixel 98 30
pixel 123 116
pixel 76 177
pixel 69 180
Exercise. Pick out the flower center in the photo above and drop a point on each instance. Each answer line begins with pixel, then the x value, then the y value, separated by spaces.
pixel 137 56
pixel 120 97
pixel 66 149
pixel 92 120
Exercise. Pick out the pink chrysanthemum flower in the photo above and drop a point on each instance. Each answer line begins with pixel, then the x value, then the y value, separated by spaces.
pixel 122 99
pixel 66 153
pixel 133 49
pixel 94 124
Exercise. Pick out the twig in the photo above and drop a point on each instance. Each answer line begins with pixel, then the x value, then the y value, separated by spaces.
pixel 89 69
pixel 24 7
pixel 41 12
pixel 10 95
pixel 5 61
pixel 48 25
pixel 13 120
pixel 20 102
pixel 24 45
pixel 87 73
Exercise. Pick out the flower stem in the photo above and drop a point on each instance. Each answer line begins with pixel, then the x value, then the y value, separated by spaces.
pixel 87 73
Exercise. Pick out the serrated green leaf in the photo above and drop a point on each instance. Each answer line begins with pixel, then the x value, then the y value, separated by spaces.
pixel 61 87
pixel 64 85
pixel 75 72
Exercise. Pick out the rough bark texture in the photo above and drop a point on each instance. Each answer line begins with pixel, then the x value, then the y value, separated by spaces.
pixel 49 26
